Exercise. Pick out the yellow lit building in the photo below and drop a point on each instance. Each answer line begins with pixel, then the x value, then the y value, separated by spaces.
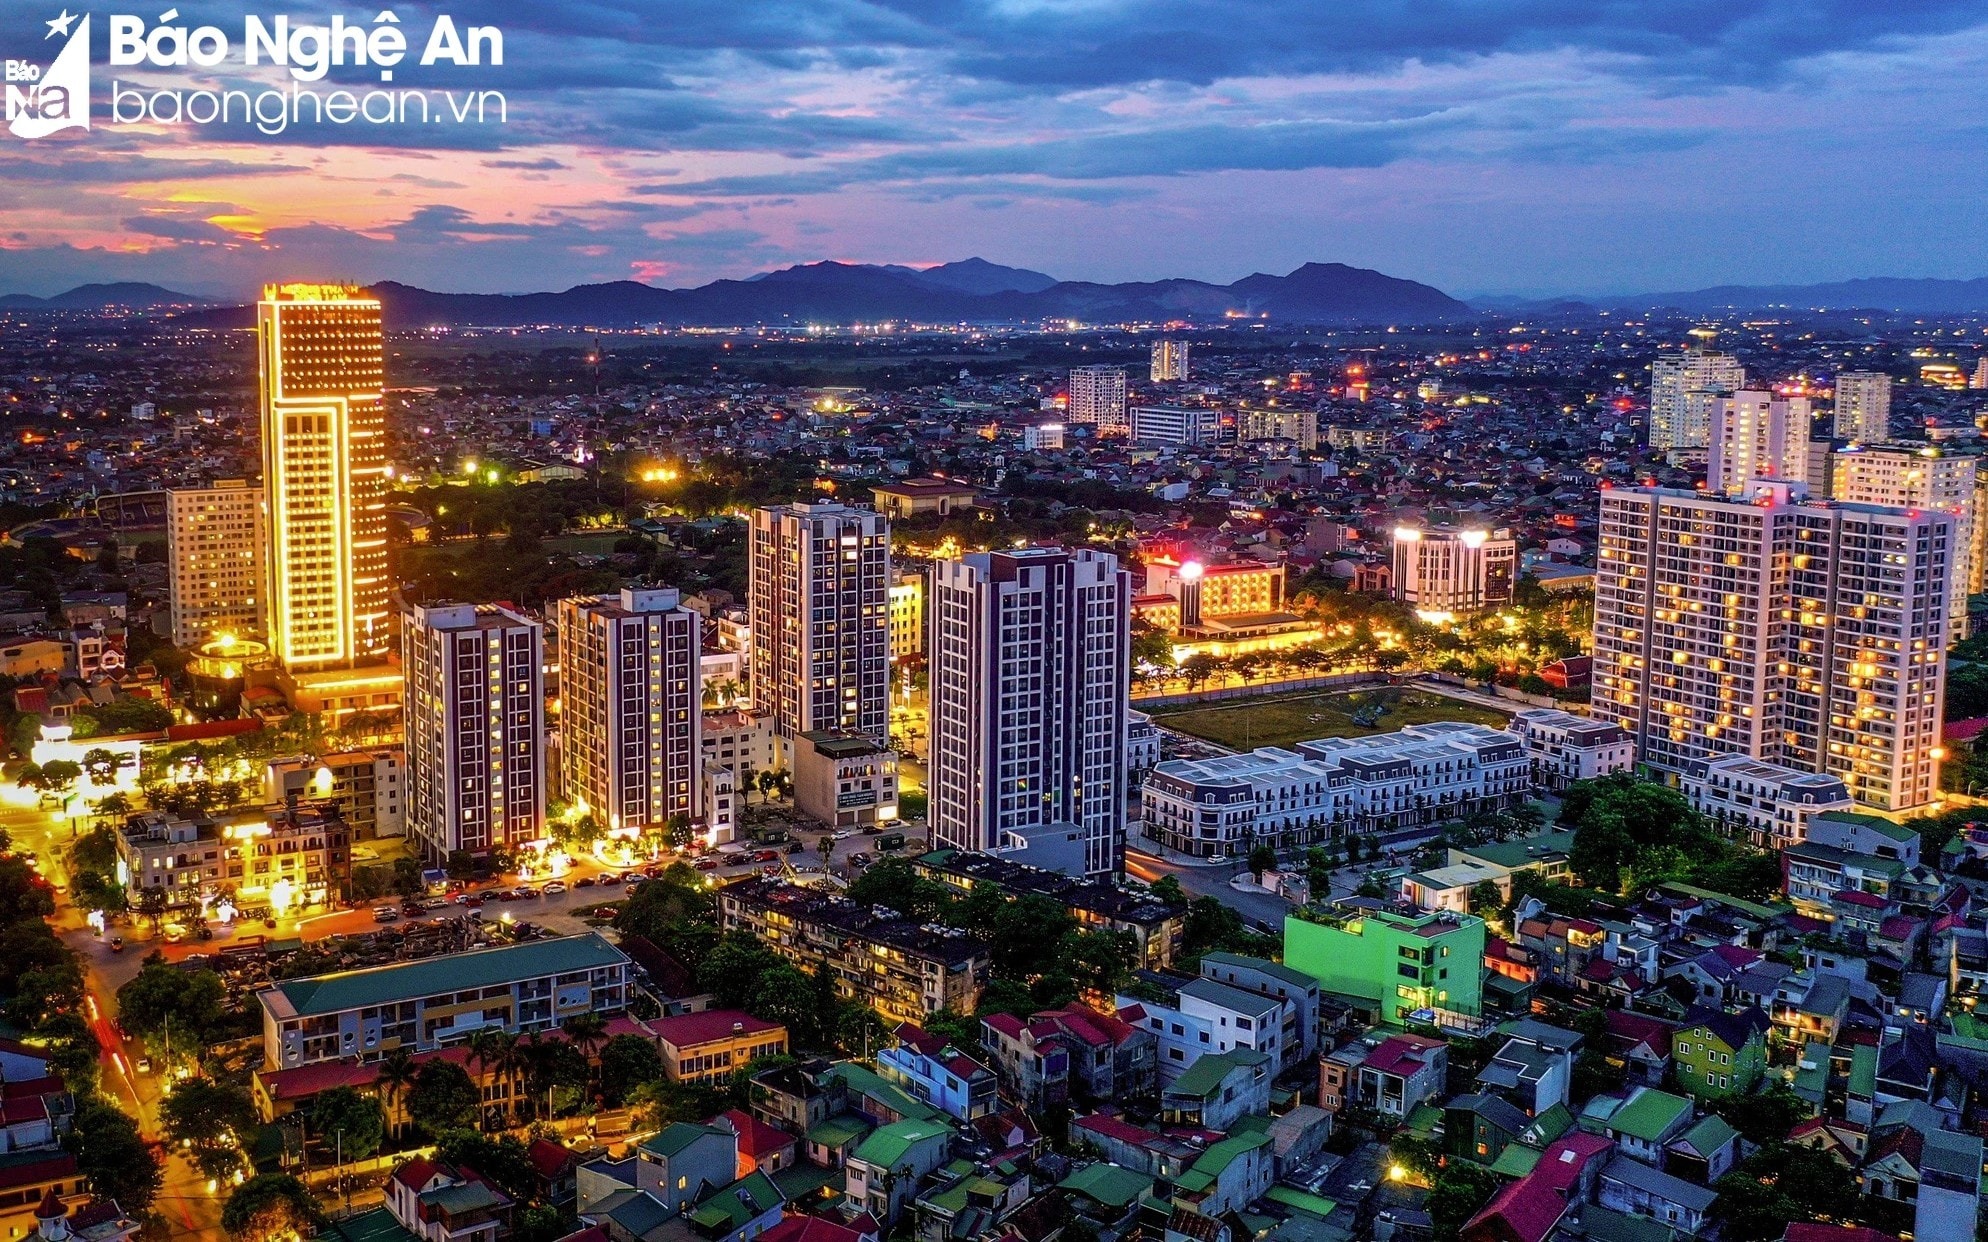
pixel 324 472
pixel 907 614
pixel 214 550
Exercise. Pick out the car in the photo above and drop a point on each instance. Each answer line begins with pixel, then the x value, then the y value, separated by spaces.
pixel 117 944
pixel 411 909
pixel 524 892
pixel 770 869
pixel 766 856
pixel 143 1065
pixel 385 914
pixel 505 894
pixel 555 888
pixel 859 859
pixel 843 834
pixel 795 847
pixel 707 863
pixel 435 903
pixel 650 873
pixel 630 887
pixel 585 881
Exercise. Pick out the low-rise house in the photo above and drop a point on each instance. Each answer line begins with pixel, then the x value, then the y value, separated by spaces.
pixel 437 1202
pixel 966 1202
pixel 683 1162
pixel 1564 748
pixel 881 1176
pixel 1704 1153
pixel 1229 1176
pixel 1392 1077
pixel 1218 1089
pixel 1480 1126
pixel 1564 946
pixel 1638 1189
pixel 1143 1149
pixel 1646 1123
pixel 939 1074
pixel 1718 1052
pixel 740 1212
pixel 1534 1068
pixel 1531 1207
pixel 1267 978
pixel 762 1148
pixel 1640 1045
pixel 1075 1049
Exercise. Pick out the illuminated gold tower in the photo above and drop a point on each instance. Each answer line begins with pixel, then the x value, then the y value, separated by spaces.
pixel 324 472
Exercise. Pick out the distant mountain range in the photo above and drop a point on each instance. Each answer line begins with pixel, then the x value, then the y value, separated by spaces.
pixel 123 295
pixel 971 291
pixel 1900 295
pixel 976 291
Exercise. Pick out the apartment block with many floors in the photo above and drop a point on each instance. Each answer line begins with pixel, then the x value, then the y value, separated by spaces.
pixel 1811 634
pixel 214 549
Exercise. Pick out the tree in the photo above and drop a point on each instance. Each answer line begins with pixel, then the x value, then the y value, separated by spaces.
pixel 505 1161
pixel 271 1207
pixel 112 1154
pixel 628 1062
pixel 1262 858
pixel 1765 1116
pixel 120 716
pixel 348 1123
pixel 1460 1190
pixel 152 904
pixel 1779 1183
pixel 443 1097
pixel 893 883
pixel 210 1120
pixel 550 1065
pixel 396 1075
pixel 1167 888
pixel 1485 895
pixel 783 993
pixel 680 832
pixel 162 1001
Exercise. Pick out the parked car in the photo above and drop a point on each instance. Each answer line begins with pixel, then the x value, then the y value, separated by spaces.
pixel 795 847
pixel 585 881
pixel 859 859
pixel 555 888
pixel 766 856
pixel 707 863
pixel 385 914
pixel 524 892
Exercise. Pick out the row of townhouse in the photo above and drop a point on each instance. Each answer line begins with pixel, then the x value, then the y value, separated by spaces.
pixel 1421 774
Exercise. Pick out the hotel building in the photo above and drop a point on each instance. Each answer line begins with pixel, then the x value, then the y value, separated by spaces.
pixel 475 728
pixel 324 472
pixel 1030 661
pixel 214 547
pixel 1810 634
pixel 1444 570
pixel 629 707
pixel 820 615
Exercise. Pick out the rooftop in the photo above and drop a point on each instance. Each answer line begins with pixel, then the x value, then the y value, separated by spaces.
pixel 456 972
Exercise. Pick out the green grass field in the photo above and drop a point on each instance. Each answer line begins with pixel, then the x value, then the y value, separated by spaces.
pixel 1280 721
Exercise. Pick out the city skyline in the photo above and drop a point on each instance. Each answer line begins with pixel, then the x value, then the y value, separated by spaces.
pixel 1528 152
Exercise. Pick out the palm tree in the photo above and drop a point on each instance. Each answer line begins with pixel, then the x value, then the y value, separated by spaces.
pixel 495 1052
pixel 588 1031
pixel 396 1076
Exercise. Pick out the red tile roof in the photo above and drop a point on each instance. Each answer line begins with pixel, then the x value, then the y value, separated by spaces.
pixel 549 1159
pixel 687 1030
pixel 1528 1209
pixel 1401 1055
pixel 809 1229
pixel 756 1138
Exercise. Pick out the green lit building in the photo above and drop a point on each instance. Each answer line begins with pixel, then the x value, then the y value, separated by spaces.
pixel 1717 1053
pixel 1398 964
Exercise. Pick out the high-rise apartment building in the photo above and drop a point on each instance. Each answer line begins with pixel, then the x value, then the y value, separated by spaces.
pixel 1185 426
pixel 1441 569
pixel 1682 386
pixel 1169 360
pixel 214 545
pixel 475 728
pixel 1863 406
pixel 629 708
pixel 1030 664
pixel 820 609
pixel 1810 634
pixel 1097 398
pixel 1758 435
pixel 324 474
pixel 907 614
pixel 1917 476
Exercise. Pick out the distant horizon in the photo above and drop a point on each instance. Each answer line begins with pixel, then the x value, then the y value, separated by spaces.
pixel 219 293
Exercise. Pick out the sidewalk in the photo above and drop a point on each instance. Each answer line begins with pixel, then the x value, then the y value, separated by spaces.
pixel 1139 842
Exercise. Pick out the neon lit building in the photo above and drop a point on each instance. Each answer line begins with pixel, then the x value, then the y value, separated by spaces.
pixel 324 474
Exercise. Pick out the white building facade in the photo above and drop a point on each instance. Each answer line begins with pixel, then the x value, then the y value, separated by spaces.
pixel 1682 386
pixel 1097 399
pixel 1445 570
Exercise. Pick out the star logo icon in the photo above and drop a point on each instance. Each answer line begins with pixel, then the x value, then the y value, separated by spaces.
pixel 60 26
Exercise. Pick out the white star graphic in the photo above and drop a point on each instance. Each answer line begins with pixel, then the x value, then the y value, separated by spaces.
pixel 60 26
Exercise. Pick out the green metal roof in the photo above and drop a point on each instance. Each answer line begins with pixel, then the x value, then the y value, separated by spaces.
pixel 1863 1071
pixel 866 1082
pixel 838 1130
pixel 1512 855
pixel 1216 1160
pixel 1516 1160
pixel 1316 1205
pixel 1883 827
pixel 730 1208
pixel 456 972
pixel 674 1138
pixel 1204 1078
pixel 1709 1135
pixel 1649 1114
pixel 885 1148
pixel 377 1225
pixel 1548 1126
pixel 1276 970
pixel 1109 1184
